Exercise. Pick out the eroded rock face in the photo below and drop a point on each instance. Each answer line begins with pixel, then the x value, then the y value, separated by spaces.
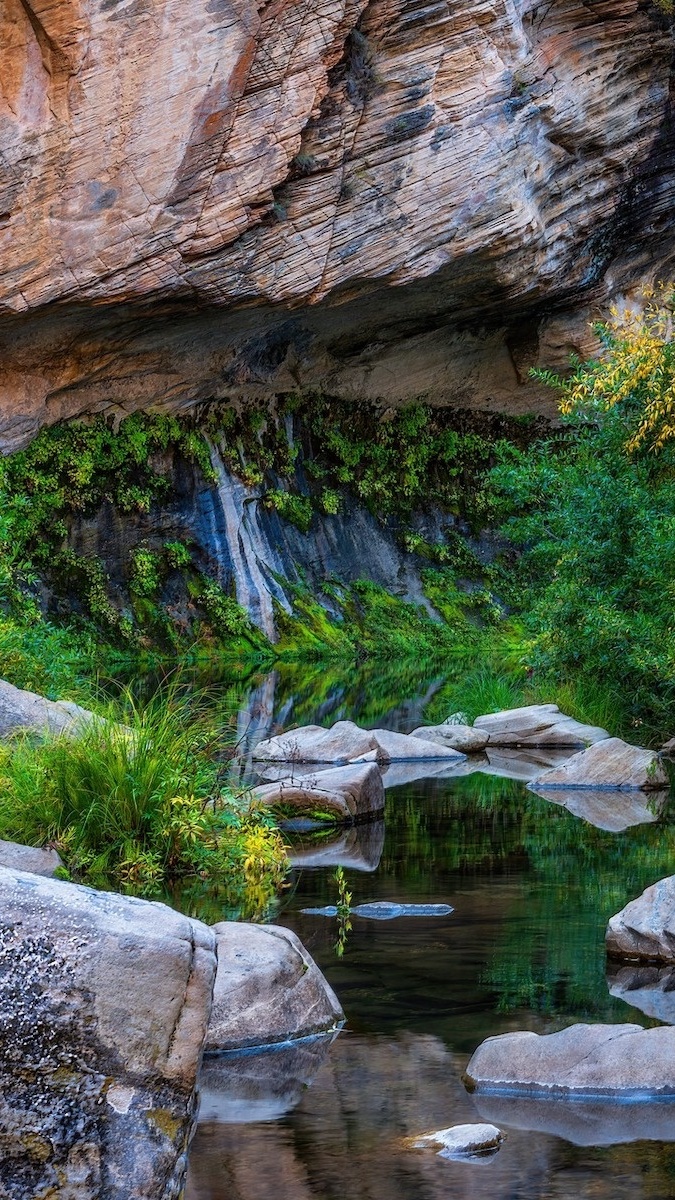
pixel 591 1060
pixel 385 197
pixel 268 989
pixel 645 928
pixel 104 1004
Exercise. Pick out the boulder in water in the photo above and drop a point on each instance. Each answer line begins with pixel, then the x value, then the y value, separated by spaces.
pixel 345 742
pixel 268 989
pixel 105 1002
pixel 611 765
pixel 461 1141
pixel 463 738
pixel 645 928
pixel 537 725
pixel 625 1061
pixel 345 794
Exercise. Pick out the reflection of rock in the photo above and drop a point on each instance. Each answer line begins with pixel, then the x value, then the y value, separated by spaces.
pixel 463 738
pixel 645 928
pixel 267 989
pixel 104 1003
pixel 345 742
pixel 610 764
pixel 27 858
pixel 244 1086
pixel 349 793
pixel 585 1122
pixel 400 774
pixel 651 989
pixel 537 725
pixel 461 1141
pixel 610 810
pixel 623 1060
pixel 358 848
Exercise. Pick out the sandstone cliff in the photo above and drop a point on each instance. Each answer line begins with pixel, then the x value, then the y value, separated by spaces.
pixel 384 198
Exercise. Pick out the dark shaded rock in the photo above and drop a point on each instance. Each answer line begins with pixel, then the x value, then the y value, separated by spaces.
pixel 645 928
pixel 29 858
pixel 104 1003
pixel 268 989
pixel 589 1060
pixel 608 765
pixel 651 989
pixel 345 794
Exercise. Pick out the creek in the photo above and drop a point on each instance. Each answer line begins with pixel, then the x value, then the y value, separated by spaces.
pixel 532 887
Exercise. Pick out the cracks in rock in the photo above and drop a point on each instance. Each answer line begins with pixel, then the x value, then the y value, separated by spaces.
pixel 55 63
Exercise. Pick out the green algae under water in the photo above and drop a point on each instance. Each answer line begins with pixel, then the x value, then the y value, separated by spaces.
pixel 532 888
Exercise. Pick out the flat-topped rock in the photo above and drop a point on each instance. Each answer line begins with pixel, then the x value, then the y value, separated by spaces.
pixel 460 1141
pixel 105 1002
pixel 463 738
pixel 344 794
pixel 609 765
pixel 645 928
pixel 33 859
pixel 344 743
pixel 593 1060
pixel 537 725
pixel 651 989
pixel 268 989
pixel 607 808
pixel 26 712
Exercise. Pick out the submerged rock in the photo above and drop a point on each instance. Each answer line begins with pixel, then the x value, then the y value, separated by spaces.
pixel 345 794
pixel 463 738
pixel 105 1002
pixel 26 712
pixel 461 1141
pixel 622 1060
pixel 537 725
pixel 29 858
pixel 607 808
pixel 649 988
pixel 385 910
pixel 609 765
pixel 345 742
pixel 645 928
pixel 268 989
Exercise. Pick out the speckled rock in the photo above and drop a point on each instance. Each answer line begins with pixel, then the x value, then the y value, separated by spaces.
pixel 609 765
pixel 387 199
pixel 268 989
pixel 592 1060
pixel 645 928
pixel 344 795
pixel 104 1004
pixel 29 858
pixel 537 725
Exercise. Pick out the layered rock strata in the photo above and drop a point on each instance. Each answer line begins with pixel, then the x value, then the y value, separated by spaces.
pixel 380 198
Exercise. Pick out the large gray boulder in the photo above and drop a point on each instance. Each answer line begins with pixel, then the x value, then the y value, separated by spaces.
pixel 104 1006
pixel 268 989
pixel 26 712
pixel 607 808
pixel 591 1060
pixel 651 989
pixel 463 738
pixel 345 742
pixel 29 858
pixel 344 794
pixel 610 765
pixel 645 928
pixel 538 725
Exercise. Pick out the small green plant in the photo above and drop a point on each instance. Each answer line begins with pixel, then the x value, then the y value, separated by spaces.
pixel 344 910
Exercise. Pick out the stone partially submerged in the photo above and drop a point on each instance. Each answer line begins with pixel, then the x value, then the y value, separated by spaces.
pixel 645 928
pixel 538 725
pixel 624 1061
pixel 346 794
pixel 461 1141
pixel 610 765
pixel 345 742
pixel 268 989
pixel 104 1005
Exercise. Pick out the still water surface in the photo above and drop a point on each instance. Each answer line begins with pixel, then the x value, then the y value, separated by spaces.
pixel 532 887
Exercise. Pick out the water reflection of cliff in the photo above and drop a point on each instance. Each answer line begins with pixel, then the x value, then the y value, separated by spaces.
pixel 342 1139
